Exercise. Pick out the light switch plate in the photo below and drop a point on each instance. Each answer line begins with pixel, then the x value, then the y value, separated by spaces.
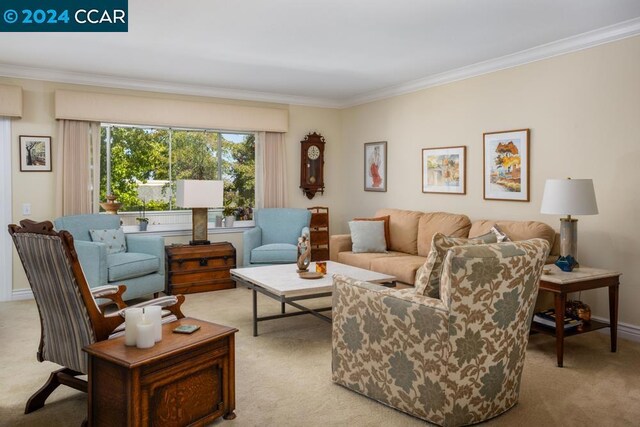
pixel 26 209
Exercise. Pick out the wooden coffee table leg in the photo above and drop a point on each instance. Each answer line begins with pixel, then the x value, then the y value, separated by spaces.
pixel 560 300
pixel 613 316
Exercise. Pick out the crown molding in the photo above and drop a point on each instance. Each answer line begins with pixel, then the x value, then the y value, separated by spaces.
pixel 72 77
pixel 582 41
pixel 579 42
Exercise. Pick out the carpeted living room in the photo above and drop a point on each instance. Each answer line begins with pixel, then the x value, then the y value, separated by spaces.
pixel 319 213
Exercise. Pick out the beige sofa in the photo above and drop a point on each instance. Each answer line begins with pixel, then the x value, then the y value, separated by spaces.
pixel 410 240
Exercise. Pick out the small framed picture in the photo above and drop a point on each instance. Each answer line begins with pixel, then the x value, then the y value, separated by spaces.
pixel 506 165
pixel 444 170
pixel 375 166
pixel 35 153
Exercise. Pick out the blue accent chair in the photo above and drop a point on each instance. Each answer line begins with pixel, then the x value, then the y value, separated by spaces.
pixel 141 268
pixel 274 239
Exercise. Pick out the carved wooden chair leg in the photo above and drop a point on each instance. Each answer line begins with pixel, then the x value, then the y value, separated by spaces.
pixel 63 376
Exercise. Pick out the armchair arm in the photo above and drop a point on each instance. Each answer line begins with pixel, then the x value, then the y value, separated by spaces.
pixel 93 259
pixel 110 292
pixel 339 243
pixel 250 239
pixel 152 245
pixel 170 302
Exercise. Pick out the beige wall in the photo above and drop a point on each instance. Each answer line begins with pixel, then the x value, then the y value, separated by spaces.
pixel 583 110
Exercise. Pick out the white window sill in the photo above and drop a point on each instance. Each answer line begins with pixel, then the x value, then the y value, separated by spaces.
pixel 185 229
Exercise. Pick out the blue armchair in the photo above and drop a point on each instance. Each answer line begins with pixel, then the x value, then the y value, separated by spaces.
pixel 274 239
pixel 140 268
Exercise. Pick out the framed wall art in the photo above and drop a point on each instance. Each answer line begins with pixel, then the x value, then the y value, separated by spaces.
pixel 35 153
pixel 506 165
pixel 375 166
pixel 444 170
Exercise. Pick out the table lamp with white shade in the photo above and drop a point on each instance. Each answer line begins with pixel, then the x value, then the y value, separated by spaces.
pixel 199 195
pixel 569 197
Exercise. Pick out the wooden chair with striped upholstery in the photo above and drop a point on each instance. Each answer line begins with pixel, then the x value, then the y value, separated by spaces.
pixel 70 318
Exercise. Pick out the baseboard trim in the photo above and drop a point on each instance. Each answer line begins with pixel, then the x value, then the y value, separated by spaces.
pixel 21 294
pixel 625 330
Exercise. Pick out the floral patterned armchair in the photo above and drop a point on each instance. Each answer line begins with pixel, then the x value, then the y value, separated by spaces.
pixel 452 361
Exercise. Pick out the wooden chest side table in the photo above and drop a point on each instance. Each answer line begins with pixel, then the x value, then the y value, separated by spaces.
pixel 200 268
pixel 182 380
pixel 561 283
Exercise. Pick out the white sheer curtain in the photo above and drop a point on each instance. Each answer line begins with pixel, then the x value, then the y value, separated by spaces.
pixel 6 270
pixel 77 163
pixel 271 167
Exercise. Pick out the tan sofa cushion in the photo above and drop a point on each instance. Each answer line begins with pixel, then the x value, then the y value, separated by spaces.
pixel 363 260
pixel 402 267
pixel 452 225
pixel 403 228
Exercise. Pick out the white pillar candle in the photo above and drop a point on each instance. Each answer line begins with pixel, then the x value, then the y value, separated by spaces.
pixel 131 319
pixel 145 336
pixel 154 316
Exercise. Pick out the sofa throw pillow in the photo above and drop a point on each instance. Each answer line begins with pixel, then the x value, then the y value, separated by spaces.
pixel 500 235
pixel 367 236
pixel 387 232
pixel 113 238
pixel 488 238
pixel 428 276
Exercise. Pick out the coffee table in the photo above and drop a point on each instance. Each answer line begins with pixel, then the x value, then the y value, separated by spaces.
pixel 282 283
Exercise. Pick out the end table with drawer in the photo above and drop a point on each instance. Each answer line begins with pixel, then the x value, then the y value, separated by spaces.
pixel 200 268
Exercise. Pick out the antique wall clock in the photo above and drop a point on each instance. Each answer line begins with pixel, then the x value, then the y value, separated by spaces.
pixel 312 164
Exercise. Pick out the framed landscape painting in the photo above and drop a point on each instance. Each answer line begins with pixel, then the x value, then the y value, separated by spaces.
pixel 506 165
pixel 444 170
pixel 35 153
pixel 375 166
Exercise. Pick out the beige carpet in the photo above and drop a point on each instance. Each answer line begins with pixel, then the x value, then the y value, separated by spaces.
pixel 283 376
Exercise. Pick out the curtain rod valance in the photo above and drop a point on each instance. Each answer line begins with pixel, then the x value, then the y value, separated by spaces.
pixel 126 109
pixel 10 101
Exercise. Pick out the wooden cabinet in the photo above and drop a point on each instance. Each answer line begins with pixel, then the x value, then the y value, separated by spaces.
pixel 200 268
pixel 319 228
pixel 182 380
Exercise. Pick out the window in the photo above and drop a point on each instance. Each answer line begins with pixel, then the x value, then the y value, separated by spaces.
pixel 139 165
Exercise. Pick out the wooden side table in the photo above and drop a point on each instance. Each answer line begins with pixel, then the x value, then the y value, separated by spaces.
pixel 319 228
pixel 182 380
pixel 200 268
pixel 580 279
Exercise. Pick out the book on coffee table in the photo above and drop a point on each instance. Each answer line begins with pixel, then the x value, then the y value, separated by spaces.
pixel 548 318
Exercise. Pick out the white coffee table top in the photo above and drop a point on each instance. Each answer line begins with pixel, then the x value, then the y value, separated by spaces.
pixel 283 280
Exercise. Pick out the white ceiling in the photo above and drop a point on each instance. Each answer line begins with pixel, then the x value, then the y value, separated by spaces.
pixel 329 52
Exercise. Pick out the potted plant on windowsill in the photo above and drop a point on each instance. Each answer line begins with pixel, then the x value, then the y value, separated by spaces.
pixel 229 216
pixel 143 221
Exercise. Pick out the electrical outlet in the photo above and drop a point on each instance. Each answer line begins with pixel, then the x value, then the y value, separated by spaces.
pixel 26 209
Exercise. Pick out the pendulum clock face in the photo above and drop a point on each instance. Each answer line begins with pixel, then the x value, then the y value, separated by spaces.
pixel 312 165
